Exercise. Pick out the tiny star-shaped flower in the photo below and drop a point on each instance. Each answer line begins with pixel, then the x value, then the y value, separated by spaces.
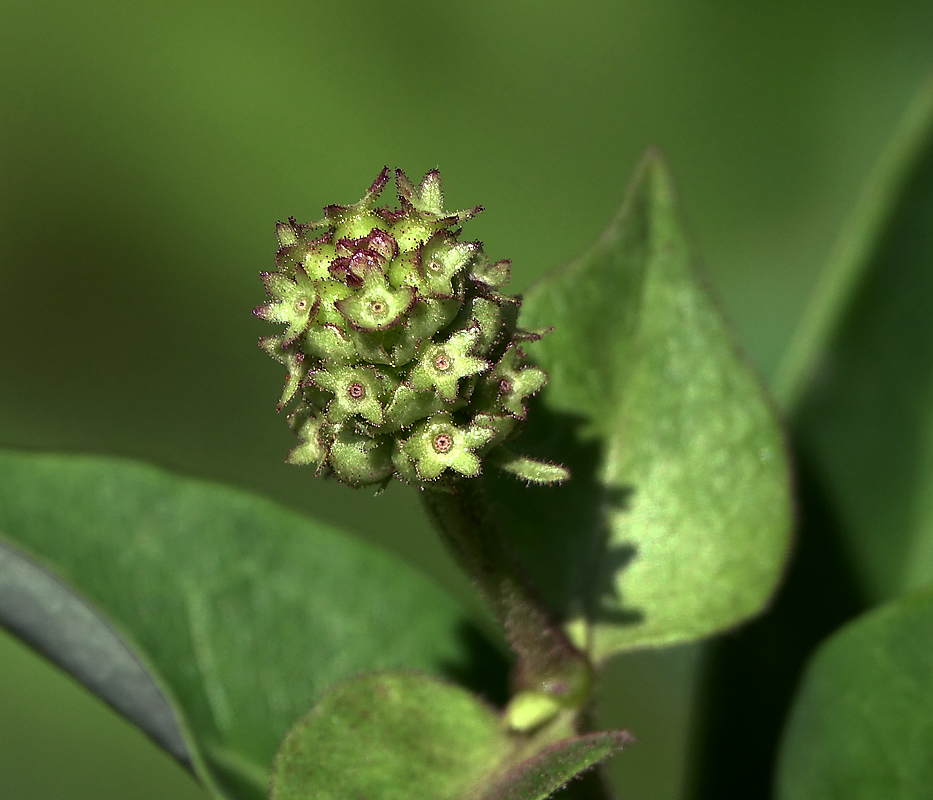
pixel 293 301
pixel 442 365
pixel 493 275
pixel 356 392
pixel 441 260
pixel 310 449
pixel 407 406
pixel 439 444
pixel 376 306
pixel 313 256
pixel 427 199
pixel 422 210
pixel 294 361
pixel 516 382
pixel 330 343
pixel 360 460
pixel 332 292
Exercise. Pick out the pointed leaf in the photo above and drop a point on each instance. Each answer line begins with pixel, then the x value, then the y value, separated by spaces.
pixel 676 521
pixel 528 469
pixel 862 724
pixel 538 777
pixel 405 736
pixel 207 616
pixel 859 377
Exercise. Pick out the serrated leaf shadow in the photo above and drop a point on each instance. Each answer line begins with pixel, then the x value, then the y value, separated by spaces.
pixel 562 534
pixel 607 604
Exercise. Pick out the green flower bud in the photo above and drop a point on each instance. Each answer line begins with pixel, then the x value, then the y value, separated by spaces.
pixel 356 391
pixel 442 259
pixel 359 459
pixel 375 306
pixel 310 450
pixel 513 383
pixel 293 301
pixel 439 444
pixel 294 361
pixel 402 353
pixel 441 366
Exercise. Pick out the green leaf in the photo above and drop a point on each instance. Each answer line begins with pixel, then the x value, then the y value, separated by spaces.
pixel 676 520
pixel 405 736
pixel 539 776
pixel 862 724
pixel 209 617
pixel 858 378
pixel 527 469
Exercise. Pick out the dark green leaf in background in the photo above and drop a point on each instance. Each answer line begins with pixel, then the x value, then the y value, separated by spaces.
pixel 858 379
pixel 676 521
pixel 862 726
pixel 405 736
pixel 226 614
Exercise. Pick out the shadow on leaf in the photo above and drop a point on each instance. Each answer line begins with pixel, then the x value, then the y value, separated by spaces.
pixel 562 533
pixel 483 670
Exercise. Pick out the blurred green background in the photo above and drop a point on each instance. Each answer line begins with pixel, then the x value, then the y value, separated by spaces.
pixel 146 150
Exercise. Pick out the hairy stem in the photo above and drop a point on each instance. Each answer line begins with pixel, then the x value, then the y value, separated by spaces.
pixel 546 658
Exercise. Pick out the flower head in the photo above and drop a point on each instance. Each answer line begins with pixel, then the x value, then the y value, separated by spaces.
pixel 401 349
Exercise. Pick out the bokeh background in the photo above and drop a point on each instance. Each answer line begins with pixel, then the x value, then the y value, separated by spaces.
pixel 146 150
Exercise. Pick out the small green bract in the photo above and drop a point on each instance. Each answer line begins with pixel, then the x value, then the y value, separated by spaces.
pixel 402 350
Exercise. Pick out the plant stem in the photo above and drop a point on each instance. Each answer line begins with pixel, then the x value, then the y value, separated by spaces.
pixel 547 661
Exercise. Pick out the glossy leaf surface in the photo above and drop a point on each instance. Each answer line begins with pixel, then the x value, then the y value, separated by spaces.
pixel 405 736
pixel 676 521
pixel 862 725
pixel 210 617
pixel 859 378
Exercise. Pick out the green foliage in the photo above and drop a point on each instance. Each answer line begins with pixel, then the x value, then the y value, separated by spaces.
pixel 859 380
pixel 676 523
pixel 390 735
pixel 406 360
pixel 856 384
pixel 862 726
pixel 209 617
pixel 404 736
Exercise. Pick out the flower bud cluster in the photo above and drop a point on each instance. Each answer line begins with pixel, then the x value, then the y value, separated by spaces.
pixel 403 354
